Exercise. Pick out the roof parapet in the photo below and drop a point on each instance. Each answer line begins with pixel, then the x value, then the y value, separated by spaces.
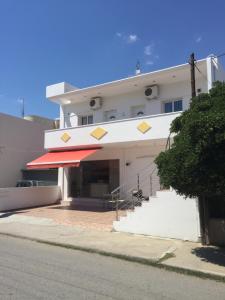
pixel 57 89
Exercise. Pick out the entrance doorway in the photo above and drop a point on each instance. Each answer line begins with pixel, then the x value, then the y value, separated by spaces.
pixel 94 179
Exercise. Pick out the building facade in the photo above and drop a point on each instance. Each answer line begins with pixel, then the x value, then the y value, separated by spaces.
pixel 110 133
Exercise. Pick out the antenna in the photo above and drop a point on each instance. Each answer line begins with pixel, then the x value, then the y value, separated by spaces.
pixel 21 101
pixel 138 68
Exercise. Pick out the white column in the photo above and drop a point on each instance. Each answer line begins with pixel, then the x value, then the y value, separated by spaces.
pixel 62 117
pixel 65 184
pixel 60 180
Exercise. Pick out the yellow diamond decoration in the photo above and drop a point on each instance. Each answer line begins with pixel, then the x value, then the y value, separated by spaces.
pixel 144 127
pixel 65 137
pixel 98 133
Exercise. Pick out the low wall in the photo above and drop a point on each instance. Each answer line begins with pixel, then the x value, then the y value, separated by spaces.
pixel 22 197
pixel 167 215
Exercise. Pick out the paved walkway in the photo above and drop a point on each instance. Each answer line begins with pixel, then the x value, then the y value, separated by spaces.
pixel 170 253
pixel 65 215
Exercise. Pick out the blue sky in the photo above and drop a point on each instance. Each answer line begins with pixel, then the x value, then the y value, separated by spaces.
pixel 87 42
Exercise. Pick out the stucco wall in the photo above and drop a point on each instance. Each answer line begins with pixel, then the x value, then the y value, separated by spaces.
pixel 168 216
pixel 20 142
pixel 15 198
pixel 123 103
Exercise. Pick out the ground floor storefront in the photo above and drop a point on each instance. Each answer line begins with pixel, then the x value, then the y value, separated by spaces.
pixel 108 168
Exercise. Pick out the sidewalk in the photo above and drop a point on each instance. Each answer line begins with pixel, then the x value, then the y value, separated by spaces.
pixel 180 256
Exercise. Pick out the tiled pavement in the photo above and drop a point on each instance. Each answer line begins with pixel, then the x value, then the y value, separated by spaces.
pixel 100 220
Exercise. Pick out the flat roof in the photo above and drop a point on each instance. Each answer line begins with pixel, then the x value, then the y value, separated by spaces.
pixel 131 84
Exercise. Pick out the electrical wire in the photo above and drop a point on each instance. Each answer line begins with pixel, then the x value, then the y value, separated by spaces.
pixel 222 54
pixel 202 74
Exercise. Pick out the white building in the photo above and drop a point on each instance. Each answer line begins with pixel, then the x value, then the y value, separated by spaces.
pixel 20 141
pixel 110 133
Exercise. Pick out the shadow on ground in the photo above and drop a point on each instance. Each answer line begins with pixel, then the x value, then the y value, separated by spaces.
pixel 80 208
pixel 211 254
pixel 10 213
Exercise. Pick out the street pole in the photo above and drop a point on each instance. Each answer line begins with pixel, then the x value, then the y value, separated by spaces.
pixel 192 69
pixel 21 101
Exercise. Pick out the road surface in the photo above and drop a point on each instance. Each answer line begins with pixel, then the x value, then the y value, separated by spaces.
pixel 30 270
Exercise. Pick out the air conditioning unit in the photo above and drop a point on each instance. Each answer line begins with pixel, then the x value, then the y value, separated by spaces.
pixel 151 92
pixel 95 103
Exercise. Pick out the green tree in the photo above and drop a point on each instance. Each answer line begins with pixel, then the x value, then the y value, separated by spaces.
pixel 195 164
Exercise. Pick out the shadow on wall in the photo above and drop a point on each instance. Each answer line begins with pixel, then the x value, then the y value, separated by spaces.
pixel 211 255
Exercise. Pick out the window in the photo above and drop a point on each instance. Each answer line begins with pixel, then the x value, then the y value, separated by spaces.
pixel 168 107
pixel 178 105
pixel 172 106
pixel 85 120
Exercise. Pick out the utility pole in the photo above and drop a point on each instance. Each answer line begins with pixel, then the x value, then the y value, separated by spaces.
pixel 192 69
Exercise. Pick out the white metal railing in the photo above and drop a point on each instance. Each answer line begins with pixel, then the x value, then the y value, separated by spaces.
pixel 129 195
pixel 119 120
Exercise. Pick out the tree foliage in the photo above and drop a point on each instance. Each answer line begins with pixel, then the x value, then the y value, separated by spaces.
pixel 195 164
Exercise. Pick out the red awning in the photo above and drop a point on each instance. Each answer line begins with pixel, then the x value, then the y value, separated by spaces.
pixel 60 159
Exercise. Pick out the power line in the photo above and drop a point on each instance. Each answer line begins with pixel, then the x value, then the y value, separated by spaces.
pixel 202 74
pixel 220 55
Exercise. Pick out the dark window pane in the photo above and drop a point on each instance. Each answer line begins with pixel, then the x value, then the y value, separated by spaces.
pixel 84 120
pixel 168 107
pixel 178 105
pixel 90 119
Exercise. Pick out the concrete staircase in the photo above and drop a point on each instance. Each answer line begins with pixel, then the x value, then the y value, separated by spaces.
pixel 166 215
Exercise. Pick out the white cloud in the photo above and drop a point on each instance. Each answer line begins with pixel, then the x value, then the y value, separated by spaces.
pixel 149 62
pixel 148 50
pixel 119 34
pixel 198 40
pixel 132 38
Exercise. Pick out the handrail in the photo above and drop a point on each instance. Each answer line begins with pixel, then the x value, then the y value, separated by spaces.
pixel 130 203
pixel 123 184
pixel 118 188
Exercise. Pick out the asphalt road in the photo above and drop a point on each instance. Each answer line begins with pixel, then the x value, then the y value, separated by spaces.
pixel 29 270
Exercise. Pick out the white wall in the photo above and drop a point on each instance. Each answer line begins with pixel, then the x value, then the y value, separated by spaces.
pixel 219 73
pixel 124 102
pixel 215 71
pixel 140 160
pixel 168 216
pixel 21 141
pixel 16 198
pixel 117 132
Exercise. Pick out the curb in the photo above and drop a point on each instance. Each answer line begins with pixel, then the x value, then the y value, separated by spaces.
pixel 144 261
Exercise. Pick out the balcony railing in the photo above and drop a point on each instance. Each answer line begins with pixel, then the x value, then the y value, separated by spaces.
pixel 119 131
